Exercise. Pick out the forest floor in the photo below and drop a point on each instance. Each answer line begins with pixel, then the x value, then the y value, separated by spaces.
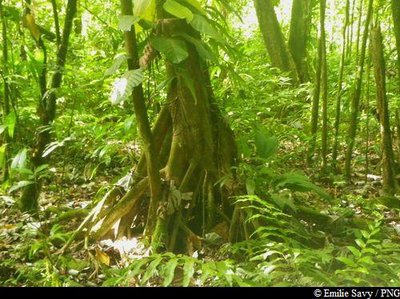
pixel 360 222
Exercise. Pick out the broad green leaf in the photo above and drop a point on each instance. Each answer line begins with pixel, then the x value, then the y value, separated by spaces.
pixel 118 60
pixel 204 51
pixel 360 243
pixel 354 250
pixel 125 22
pixel 170 271
pixel 19 160
pixel 178 10
pixel 123 87
pixel 283 202
pixel 174 49
pixel 50 148
pixel 298 182
pixel 265 146
pixel 3 128
pixel 140 7
pixel 201 24
pixel 346 261
pixel 188 271
pixel 19 185
pixel 197 5
pixel 367 260
pixel 137 267
pixel 151 269
pixel 2 155
pixel 41 168
pixel 250 186
pixel 11 121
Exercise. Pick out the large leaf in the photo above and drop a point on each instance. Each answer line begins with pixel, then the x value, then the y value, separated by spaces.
pixel 170 271
pixel 140 7
pixel 197 5
pixel 178 10
pixel 151 270
pixel 2 155
pixel 203 50
pixel 188 271
pixel 123 87
pixel 266 146
pixel 19 160
pixel 19 185
pixel 298 182
pixel 125 22
pixel 201 24
pixel 118 60
pixel 10 122
pixel 174 49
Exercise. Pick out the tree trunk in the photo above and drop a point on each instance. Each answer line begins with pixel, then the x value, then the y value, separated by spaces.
pixel 6 93
pixel 299 30
pixel 195 149
pixel 388 180
pixel 340 88
pixel 317 87
pixel 273 38
pixel 47 111
pixel 396 26
pixel 142 119
pixel 324 85
pixel 355 101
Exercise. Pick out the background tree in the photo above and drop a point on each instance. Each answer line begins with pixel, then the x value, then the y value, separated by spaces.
pixel 298 36
pixel 273 38
pixel 355 101
pixel 389 183
pixel 47 104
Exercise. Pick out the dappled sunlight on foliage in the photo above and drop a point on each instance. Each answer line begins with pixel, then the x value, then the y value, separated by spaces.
pixel 199 143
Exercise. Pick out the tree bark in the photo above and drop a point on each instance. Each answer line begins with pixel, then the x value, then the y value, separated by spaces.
pixel 355 101
pixel 340 88
pixel 388 179
pixel 6 92
pixel 396 26
pixel 194 147
pixel 299 31
pixel 142 119
pixel 47 112
pixel 273 38
pixel 317 86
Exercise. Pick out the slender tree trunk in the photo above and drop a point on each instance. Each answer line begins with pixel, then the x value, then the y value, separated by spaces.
pixel 351 31
pixel 340 89
pixel 299 31
pixel 360 13
pixel 367 119
pixel 143 121
pixel 388 179
pixel 317 87
pixel 273 38
pixel 47 112
pixel 56 22
pixel 324 87
pixel 355 101
pixel 396 25
pixel 6 92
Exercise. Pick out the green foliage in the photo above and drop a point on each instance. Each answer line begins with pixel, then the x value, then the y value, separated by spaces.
pixel 174 49
pixel 123 87
pixel 178 10
pixel 174 270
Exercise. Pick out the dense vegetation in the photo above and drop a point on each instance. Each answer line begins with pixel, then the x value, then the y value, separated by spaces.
pixel 199 143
